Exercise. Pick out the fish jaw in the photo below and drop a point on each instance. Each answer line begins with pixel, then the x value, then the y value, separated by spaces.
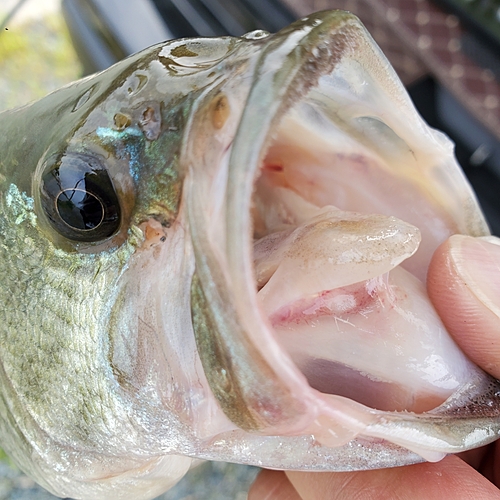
pixel 323 95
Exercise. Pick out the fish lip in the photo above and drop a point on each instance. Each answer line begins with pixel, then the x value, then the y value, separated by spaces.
pixel 284 73
pixel 290 62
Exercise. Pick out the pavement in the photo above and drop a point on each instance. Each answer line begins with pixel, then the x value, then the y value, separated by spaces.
pixel 208 481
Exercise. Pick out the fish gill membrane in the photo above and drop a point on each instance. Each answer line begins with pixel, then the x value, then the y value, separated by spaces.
pixel 216 249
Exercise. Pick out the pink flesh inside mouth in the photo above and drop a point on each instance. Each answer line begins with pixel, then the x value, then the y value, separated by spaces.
pixel 327 255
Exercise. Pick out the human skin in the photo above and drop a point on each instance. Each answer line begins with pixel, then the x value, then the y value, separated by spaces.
pixel 464 285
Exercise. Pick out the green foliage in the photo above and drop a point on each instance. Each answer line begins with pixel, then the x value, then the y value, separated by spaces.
pixel 5 458
pixel 35 58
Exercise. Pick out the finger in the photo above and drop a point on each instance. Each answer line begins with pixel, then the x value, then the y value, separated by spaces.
pixel 450 479
pixel 272 485
pixel 464 284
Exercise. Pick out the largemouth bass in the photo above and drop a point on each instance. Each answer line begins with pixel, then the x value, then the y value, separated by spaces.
pixel 215 249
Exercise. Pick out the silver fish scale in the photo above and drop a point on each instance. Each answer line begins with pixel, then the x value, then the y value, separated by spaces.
pixel 40 361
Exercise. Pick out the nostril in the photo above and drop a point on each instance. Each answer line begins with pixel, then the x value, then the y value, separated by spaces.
pixel 154 233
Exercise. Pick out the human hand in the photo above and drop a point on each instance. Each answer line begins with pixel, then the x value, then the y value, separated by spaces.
pixel 464 284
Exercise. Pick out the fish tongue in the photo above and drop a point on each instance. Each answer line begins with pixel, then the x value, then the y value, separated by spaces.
pixel 355 324
pixel 332 250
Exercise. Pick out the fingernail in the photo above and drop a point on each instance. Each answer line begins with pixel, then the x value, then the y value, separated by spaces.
pixel 477 261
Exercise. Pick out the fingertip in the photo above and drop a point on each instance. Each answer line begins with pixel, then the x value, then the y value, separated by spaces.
pixel 272 485
pixel 462 281
pixel 450 479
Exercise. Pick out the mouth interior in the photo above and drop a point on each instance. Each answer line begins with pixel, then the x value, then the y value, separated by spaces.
pixel 327 249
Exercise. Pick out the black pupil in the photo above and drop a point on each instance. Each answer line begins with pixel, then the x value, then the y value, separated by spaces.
pixel 79 199
pixel 80 209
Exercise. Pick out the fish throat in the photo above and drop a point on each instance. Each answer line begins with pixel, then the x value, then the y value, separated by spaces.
pixel 327 250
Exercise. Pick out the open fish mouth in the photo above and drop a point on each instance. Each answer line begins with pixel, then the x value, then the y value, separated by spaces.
pixel 217 249
pixel 309 308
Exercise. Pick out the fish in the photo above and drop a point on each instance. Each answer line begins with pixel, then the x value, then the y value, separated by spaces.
pixel 215 249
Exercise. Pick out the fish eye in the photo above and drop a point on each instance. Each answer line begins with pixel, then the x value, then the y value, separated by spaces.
pixel 79 199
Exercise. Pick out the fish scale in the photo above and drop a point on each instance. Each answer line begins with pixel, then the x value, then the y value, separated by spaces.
pixel 52 347
pixel 62 365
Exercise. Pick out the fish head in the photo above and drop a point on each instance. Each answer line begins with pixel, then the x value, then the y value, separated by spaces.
pixel 214 249
pixel 91 192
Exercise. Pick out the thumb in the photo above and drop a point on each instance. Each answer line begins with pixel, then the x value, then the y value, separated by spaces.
pixel 450 479
pixel 464 285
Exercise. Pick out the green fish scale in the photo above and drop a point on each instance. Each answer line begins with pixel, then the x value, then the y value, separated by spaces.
pixel 58 347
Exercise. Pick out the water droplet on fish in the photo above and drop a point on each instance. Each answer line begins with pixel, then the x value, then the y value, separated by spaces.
pixel 316 22
pixel 84 98
pixel 138 84
pixel 256 35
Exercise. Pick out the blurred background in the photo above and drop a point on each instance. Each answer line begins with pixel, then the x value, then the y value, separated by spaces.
pixel 36 54
pixel 446 52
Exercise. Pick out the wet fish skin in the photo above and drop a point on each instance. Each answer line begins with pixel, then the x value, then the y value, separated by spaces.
pixel 65 406
pixel 118 355
pixel 68 413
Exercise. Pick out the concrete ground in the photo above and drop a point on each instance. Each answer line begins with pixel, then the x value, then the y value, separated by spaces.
pixel 208 481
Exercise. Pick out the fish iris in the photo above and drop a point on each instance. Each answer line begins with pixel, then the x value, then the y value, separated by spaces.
pixel 79 198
